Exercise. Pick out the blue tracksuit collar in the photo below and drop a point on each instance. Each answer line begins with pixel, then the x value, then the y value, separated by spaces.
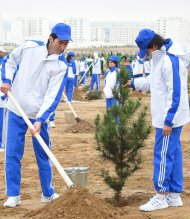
pixel 113 69
pixel 168 44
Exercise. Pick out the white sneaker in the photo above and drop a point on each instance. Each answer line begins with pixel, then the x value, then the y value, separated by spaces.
pixel 12 201
pixel 154 204
pixel 46 199
pixel 52 124
pixel 174 202
pixel 2 150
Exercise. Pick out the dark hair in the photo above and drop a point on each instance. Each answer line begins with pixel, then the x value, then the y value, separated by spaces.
pixel 116 63
pixel 54 36
pixel 68 58
pixel 158 41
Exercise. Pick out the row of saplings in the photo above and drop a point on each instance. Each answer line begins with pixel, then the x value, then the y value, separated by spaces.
pixel 121 135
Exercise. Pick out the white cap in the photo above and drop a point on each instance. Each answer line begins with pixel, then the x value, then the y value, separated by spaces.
pixel 2 49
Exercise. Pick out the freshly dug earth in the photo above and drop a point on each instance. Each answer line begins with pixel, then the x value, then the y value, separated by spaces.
pixel 81 127
pixel 77 95
pixel 76 203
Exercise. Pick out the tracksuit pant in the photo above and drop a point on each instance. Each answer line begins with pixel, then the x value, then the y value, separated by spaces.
pixel 84 78
pixel 110 102
pixel 95 79
pixel 168 167
pixel 69 87
pixel 16 131
pixel 3 127
pixel 76 81
pixel 52 117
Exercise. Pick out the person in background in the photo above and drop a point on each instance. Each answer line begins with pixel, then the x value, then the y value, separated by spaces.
pixel 110 81
pixel 77 63
pixel 170 112
pixel 71 71
pixel 147 66
pixel 38 90
pixel 89 61
pixel 83 69
pixel 96 69
pixel 137 67
pixel 126 63
pixel 102 62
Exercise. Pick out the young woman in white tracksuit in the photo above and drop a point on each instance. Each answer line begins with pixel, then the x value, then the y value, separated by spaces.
pixel 96 70
pixel 83 68
pixel 71 71
pixel 170 111
pixel 37 86
pixel 110 81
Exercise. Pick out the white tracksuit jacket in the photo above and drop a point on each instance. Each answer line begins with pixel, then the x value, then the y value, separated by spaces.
pixel 110 82
pixel 96 69
pixel 168 85
pixel 38 82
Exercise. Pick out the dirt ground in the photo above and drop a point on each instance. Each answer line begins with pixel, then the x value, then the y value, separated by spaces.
pixel 77 148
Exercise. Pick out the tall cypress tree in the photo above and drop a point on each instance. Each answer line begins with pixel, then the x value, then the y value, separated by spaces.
pixel 120 136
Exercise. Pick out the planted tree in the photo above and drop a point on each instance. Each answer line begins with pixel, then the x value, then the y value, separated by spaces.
pixel 121 135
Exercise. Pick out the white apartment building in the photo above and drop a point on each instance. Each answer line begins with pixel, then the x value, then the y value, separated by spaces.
pixel 118 33
pixel 175 28
pixel 28 28
pixel 80 29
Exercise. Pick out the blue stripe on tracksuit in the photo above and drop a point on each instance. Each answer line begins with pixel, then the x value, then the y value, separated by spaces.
pixel 95 79
pixel 53 106
pixel 17 129
pixel 168 173
pixel 176 90
pixel 2 127
pixel 3 74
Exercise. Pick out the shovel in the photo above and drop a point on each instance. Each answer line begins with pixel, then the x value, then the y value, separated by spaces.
pixel 74 113
pixel 85 73
pixel 42 143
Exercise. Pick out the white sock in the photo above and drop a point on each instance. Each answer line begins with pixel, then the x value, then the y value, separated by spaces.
pixel 160 196
pixel 174 194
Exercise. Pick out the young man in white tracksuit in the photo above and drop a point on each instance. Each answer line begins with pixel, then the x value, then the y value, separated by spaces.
pixel 110 81
pixel 96 69
pixel 37 86
pixel 170 111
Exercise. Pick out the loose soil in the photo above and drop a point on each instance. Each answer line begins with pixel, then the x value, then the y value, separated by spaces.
pixel 76 203
pixel 81 127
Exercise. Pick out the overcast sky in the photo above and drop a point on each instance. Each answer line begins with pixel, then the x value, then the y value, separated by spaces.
pixel 96 10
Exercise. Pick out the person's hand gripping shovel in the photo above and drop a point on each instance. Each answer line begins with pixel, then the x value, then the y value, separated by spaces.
pixel 41 141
